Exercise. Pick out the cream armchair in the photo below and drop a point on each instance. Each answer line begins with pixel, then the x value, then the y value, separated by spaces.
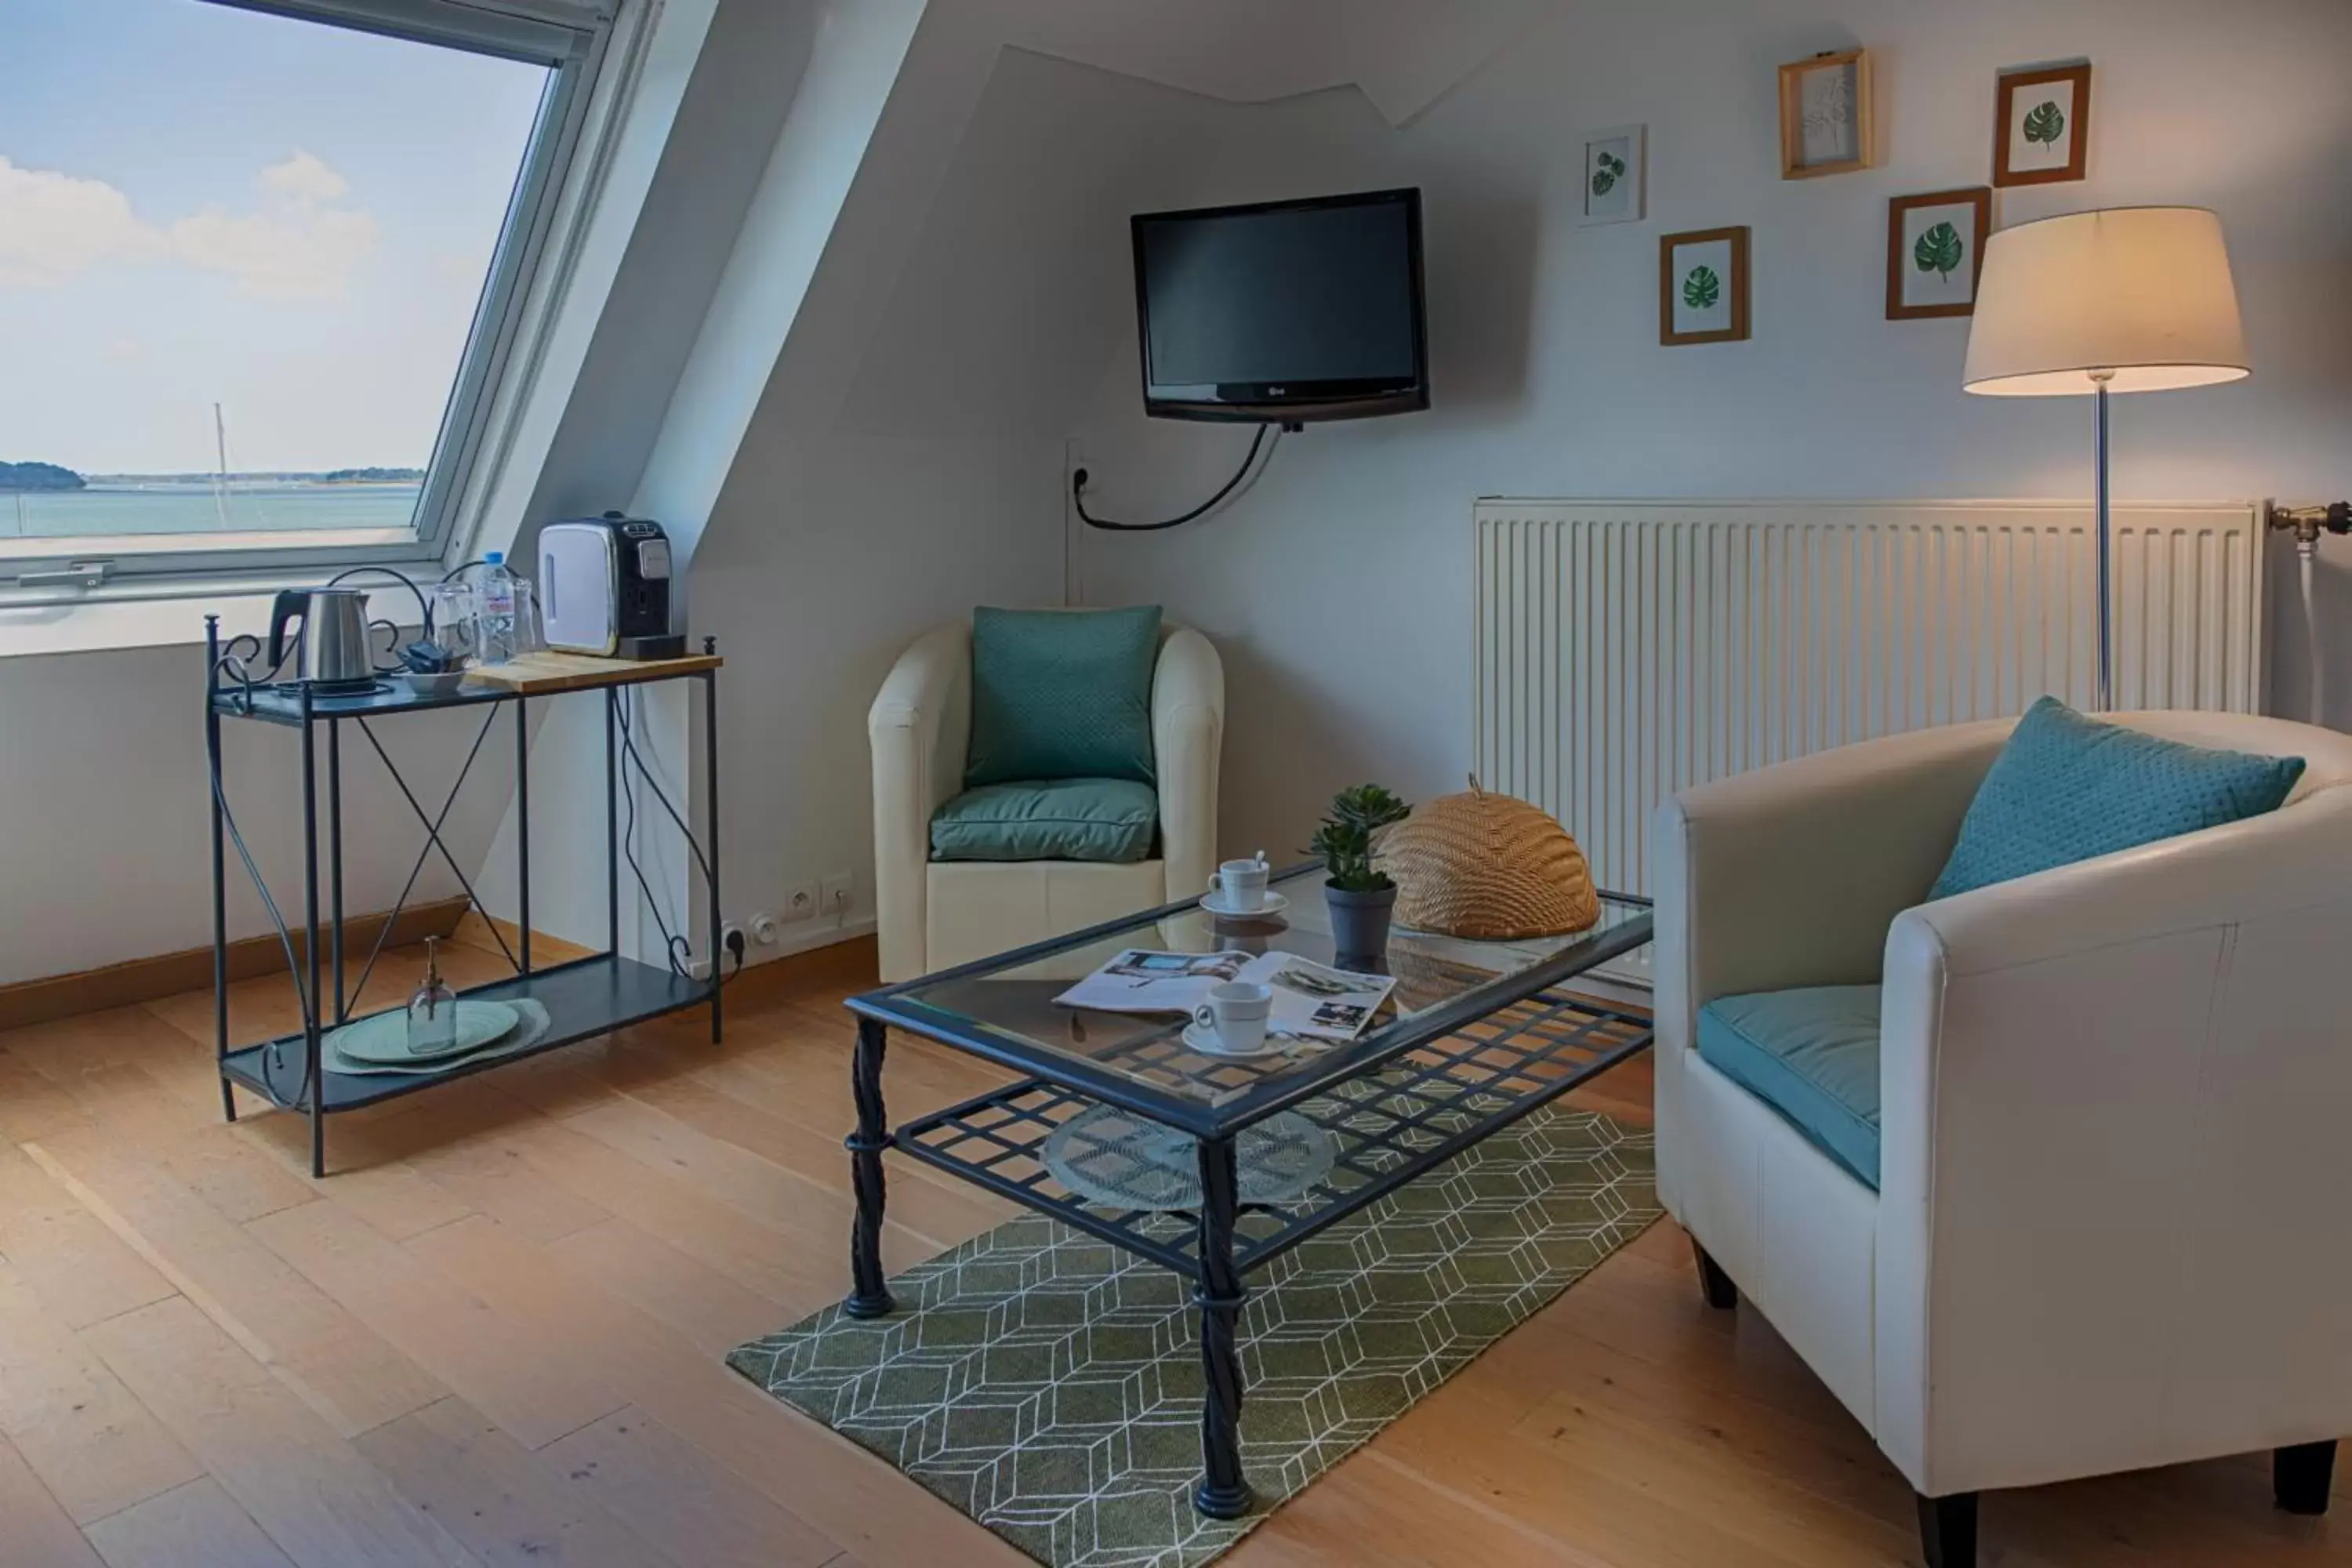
pixel 932 916
pixel 2114 1118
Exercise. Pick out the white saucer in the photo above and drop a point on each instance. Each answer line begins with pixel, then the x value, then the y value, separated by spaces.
pixel 1201 1038
pixel 1274 904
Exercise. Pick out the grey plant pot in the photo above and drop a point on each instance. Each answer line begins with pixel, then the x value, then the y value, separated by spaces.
pixel 1359 922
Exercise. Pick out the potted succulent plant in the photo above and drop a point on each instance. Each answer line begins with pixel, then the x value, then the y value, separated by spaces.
pixel 1360 897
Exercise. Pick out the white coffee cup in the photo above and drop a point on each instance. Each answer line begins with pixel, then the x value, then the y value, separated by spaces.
pixel 1235 1014
pixel 1240 885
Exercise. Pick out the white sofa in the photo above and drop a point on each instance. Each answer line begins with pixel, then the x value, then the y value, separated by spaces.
pixel 2116 1118
pixel 932 916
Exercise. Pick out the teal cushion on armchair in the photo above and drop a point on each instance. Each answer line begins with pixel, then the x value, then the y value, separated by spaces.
pixel 1107 820
pixel 2066 788
pixel 1062 694
pixel 1810 1054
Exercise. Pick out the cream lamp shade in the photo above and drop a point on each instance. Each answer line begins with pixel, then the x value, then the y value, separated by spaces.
pixel 2138 298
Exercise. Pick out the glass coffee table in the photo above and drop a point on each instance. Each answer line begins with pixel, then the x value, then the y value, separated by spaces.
pixel 1251 1155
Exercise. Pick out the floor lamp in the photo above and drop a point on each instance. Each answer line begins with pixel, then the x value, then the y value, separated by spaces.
pixel 2127 299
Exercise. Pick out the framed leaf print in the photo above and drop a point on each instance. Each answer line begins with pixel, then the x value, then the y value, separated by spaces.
pixel 2041 126
pixel 1825 115
pixel 1614 186
pixel 1935 250
pixel 1702 287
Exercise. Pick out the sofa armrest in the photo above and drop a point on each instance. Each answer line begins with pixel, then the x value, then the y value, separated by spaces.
pixel 1788 876
pixel 2112 1098
pixel 919 729
pixel 1188 731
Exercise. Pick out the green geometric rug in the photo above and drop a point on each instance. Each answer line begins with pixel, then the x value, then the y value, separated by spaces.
pixel 1048 1385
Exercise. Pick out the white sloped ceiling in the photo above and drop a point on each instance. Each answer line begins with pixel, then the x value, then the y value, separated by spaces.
pixel 1403 54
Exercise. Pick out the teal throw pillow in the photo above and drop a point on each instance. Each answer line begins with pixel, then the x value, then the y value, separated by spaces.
pixel 1062 694
pixel 2066 788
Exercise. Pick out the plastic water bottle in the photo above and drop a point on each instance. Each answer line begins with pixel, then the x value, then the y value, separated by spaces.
pixel 495 644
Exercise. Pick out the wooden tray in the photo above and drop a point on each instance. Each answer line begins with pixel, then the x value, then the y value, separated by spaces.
pixel 533 673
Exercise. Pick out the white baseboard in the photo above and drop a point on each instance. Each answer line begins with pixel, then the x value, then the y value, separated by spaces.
pixel 823 934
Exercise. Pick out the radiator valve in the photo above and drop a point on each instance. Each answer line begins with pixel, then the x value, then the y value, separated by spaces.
pixel 2309 522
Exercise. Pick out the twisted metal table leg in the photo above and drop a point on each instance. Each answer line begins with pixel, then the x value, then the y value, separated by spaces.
pixel 1223 1493
pixel 870 1295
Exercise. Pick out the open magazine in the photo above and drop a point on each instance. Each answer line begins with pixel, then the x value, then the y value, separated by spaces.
pixel 1311 999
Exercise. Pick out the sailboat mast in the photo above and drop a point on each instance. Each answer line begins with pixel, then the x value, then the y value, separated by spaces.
pixel 220 470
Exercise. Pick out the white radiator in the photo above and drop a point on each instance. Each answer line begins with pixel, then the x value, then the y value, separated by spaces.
pixel 1627 649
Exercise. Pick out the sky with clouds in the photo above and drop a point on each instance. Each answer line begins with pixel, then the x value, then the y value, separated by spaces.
pixel 200 204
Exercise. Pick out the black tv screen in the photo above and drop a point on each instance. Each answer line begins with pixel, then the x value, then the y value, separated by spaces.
pixel 1283 311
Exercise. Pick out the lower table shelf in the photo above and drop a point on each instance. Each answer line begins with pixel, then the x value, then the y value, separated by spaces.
pixel 1389 1126
pixel 585 998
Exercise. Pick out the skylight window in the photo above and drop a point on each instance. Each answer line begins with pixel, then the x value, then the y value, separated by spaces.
pixel 262 263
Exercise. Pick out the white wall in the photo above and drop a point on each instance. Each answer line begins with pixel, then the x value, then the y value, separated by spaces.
pixel 1339 591
pixel 744 78
pixel 833 469
pixel 906 460
pixel 106 853
pixel 775 122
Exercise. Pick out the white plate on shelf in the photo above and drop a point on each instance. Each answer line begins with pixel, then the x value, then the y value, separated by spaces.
pixel 382 1038
pixel 1274 904
pixel 532 1023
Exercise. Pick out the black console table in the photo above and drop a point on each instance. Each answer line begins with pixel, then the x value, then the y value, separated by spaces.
pixel 584 998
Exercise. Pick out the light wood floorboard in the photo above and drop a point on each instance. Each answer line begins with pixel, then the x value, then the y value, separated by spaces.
pixel 194 1526
pixel 494 1336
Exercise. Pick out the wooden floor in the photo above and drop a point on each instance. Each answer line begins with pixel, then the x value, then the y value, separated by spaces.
pixel 495 1337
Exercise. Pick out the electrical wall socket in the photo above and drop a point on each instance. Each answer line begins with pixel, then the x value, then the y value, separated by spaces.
pixel 836 893
pixel 800 902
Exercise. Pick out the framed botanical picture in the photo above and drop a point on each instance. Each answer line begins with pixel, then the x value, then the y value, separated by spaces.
pixel 1935 250
pixel 1825 115
pixel 2041 126
pixel 1616 175
pixel 1703 285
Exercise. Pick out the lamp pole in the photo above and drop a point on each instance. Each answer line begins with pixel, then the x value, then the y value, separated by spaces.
pixel 2105 700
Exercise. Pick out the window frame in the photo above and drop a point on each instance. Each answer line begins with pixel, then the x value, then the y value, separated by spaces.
pixel 573 39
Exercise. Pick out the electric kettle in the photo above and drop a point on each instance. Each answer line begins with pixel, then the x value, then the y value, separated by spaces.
pixel 331 651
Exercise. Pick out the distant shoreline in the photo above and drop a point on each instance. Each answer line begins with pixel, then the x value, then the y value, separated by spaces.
pixel 51 479
pixel 120 484
pixel 264 477
pixel 199 505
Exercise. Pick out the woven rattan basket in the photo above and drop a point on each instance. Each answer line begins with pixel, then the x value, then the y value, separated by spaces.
pixel 1489 867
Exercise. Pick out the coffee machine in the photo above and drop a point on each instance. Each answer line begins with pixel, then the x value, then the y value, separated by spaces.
pixel 604 586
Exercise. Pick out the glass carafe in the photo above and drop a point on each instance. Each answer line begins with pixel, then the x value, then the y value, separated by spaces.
pixel 433 1011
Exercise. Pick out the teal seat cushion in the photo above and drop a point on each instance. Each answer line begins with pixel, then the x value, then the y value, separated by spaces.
pixel 2065 788
pixel 1810 1054
pixel 1062 694
pixel 1064 819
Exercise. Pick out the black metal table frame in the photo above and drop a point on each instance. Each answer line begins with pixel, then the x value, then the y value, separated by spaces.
pixel 295 705
pixel 1443 1077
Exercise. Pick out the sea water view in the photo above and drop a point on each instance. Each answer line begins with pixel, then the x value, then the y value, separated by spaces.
pixel 135 504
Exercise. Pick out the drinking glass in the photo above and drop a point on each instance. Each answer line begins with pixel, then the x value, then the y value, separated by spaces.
pixel 527 635
pixel 453 612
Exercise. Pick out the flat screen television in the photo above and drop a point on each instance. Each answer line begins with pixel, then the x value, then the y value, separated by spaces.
pixel 1282 313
